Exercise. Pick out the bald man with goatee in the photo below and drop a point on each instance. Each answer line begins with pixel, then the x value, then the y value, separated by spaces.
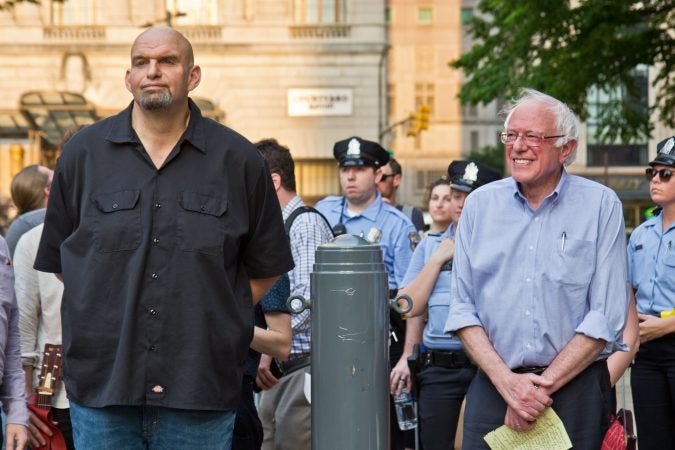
pixel 166 231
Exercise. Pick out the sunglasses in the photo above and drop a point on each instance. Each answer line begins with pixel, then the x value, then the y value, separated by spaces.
pixel 664 174
pixel 387 175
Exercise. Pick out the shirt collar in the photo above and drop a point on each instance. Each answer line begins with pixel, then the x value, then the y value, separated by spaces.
pixel 559 189
pixel 291 206
pixel 121 132
pixel 373 209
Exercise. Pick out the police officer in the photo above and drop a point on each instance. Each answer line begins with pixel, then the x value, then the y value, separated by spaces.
pixel 445 371
pixel 361 211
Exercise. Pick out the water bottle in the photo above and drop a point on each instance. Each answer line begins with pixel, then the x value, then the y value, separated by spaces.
pixel 405 410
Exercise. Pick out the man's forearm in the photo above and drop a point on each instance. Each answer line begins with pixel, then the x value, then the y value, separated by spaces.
pixel 483 354
pixel 574 358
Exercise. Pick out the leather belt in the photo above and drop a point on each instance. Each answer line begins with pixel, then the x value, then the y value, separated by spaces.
pixel 530 369
pixel 450 360
pixel 297 363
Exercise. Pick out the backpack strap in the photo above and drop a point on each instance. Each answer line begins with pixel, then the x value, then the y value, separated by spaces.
pixel 301 210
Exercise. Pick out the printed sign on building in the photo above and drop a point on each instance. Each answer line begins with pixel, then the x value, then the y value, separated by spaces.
pixel 320 102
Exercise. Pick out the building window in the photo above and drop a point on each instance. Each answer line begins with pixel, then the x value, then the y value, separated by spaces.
pixel 466 15
pixel 192 12
pixel 76 12
pixel 475 141
pixel 388 15
pixel 391 102
pixel 600 151
pixel 425 15
pixel 319 11
pixel 471 110
pixel 425 95
pixel 424 59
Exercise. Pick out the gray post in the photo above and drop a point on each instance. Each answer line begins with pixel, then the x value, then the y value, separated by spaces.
pixel 350 357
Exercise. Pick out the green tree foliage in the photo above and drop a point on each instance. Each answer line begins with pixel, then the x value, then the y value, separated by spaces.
pixel 564 48
pixel 9 4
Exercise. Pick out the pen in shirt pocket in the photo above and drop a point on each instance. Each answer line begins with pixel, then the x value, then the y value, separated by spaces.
pixel 562 241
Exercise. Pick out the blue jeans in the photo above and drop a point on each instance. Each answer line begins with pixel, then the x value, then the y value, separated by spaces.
pixel 150 428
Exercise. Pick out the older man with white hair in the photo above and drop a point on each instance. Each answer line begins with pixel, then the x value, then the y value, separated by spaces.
pixel 539 294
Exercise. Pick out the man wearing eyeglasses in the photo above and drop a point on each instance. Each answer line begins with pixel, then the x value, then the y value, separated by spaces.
pixel 539 295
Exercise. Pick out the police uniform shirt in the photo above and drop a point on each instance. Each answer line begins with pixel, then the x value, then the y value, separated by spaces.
pixel 379 223
pixel 438 304
pixel 651 266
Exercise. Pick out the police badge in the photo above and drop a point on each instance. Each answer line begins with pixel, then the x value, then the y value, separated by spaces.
pixel 414 238
pixel 374 236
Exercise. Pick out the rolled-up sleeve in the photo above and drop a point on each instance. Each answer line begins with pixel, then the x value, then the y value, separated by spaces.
pixel 608 291
pixel 463 311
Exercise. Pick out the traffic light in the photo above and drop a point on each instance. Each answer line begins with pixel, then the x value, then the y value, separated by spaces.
pixel 413 128
pixel 422 117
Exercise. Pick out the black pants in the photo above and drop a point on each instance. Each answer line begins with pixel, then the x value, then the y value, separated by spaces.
pixel 583 405
pixel 653 385
pixel 248 431
pixel 441 392
pixel 62 417
pixel 400 439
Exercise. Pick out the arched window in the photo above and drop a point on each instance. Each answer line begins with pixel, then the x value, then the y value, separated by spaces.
pixel 77 12
pixel 193 12
pixel 319 11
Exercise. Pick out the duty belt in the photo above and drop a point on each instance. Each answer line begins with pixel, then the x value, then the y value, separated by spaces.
pixel 290 366
pixel 450 360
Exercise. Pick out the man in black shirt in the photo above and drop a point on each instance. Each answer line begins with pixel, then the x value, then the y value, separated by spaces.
pixel 166 230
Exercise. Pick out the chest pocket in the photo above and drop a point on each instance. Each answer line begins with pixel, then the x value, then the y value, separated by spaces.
pixel 201 224
pixel 118 221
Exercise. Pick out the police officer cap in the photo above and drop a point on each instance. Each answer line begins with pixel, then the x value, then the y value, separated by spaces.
pixel 468 175
pixel 665 152
pixel 355 151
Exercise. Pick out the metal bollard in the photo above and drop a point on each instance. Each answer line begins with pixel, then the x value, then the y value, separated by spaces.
pixel 350 353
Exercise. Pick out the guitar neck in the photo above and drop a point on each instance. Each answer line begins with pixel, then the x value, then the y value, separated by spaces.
pixel 44 401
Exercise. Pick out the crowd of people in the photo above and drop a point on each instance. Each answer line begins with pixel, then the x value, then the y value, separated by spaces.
pixel 156 260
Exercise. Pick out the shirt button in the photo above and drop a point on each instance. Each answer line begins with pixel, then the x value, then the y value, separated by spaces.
pixel 155 241
pixel 153 312
pixel 152 348
pixel 531 247
pixel 154 276
pixel 528 279
pixel 527 312
pixel 115 205
pixel 158 205
pixel 536 219
pixel 203 208
pixel 528 346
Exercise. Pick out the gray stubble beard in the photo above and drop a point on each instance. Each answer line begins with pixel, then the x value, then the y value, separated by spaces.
pixel 153 101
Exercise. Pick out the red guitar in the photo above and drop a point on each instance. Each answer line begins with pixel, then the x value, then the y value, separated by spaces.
pixel 50 374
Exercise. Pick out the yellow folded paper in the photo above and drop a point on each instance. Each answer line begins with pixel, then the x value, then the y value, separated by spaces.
pixel 549 433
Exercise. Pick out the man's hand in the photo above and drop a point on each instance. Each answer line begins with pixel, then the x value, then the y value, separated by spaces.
pixel 265 380
pixel 526 397
pixel 654 327
pixel 16 436
pixel 35 429
pixel 399 378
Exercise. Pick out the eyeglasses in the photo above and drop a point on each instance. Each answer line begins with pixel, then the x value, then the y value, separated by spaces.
pixel 529 138
pixel 664 174
pixel 387 175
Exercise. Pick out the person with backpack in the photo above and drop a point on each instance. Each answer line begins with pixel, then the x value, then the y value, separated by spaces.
pixel 284 411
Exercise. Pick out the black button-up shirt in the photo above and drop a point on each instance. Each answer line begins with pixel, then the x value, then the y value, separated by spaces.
pixel 156 263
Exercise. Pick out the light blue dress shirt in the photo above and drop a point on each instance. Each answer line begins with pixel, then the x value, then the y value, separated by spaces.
pixel 651 266
pixel 434 336
pixel 533 279
pixel 394 227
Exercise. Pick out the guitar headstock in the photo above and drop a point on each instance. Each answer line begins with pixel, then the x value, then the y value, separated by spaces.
pixel 50 372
